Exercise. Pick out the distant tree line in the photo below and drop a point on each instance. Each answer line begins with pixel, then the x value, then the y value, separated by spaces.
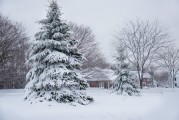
pixel 13 46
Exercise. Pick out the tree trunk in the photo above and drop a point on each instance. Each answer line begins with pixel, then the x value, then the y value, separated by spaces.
pixel 141 83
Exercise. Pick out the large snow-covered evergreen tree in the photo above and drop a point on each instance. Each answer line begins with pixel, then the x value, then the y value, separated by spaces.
pixel 124 82
pixel 55 63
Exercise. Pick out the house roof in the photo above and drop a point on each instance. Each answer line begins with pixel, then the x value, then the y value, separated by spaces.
pixel 145 75
pixel 97 74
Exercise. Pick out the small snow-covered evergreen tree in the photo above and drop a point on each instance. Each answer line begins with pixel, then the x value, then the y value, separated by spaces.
pixel 124 82
pixel 56 63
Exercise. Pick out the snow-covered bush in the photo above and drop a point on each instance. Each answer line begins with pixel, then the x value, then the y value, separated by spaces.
pixel 55 63
pixel 124 81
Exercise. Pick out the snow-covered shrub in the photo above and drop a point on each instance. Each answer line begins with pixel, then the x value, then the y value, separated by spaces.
pixel 55 63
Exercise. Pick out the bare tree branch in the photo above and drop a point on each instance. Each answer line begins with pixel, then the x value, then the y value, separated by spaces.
pixel 88 46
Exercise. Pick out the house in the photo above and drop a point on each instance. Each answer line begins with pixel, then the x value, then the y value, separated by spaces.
pixel 102 78
pixel 98 78
pixel 147 81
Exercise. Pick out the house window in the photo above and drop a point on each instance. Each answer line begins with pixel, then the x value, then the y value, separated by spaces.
pixel 101 84
pixel 176 84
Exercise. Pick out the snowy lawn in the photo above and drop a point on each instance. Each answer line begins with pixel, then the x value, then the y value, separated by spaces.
pixel 154 104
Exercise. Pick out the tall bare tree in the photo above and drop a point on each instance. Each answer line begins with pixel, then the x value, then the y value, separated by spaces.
pixel 88 46
pixel 169 59
pixel 142 39
pixel 12 54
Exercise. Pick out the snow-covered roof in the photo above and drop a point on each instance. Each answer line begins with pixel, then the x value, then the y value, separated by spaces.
pixel 145 75
pixel 96 74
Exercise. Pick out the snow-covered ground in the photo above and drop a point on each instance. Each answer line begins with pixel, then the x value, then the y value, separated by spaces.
pixel 153 104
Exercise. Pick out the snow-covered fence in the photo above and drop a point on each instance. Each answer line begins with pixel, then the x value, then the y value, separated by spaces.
pixel 98 91
pixel 11 91
pixel 159 90
pixel 152 90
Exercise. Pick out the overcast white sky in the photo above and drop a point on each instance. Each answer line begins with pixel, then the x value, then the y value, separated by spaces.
pixel 103 16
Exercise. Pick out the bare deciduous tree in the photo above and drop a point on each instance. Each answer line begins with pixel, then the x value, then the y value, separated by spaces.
pixel 169 59
pixel 142 39
pixel 12 54
pixel 88 46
